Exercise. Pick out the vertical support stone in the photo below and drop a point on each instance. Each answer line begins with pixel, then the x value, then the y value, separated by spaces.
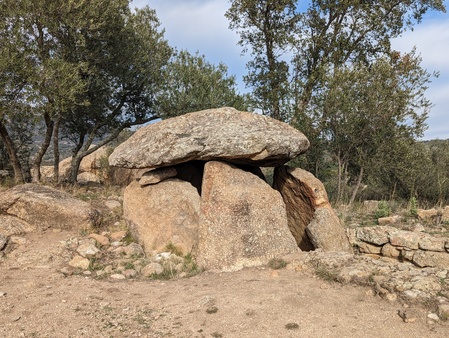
pixel 243 221
pixel 311 218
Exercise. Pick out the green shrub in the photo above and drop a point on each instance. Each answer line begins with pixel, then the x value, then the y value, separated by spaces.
pixel 413 207
pixel 383 210
pixel 277 263
pixel 170 247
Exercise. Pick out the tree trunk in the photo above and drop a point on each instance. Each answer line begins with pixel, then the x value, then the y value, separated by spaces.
pixel 83 149
pixel 357 187
pixel 74 167
pixel 345 181
pixel 36 171
pixel 272 69
pixel 339 179
pixel 393 192
pixel 12 153
pixel 56 149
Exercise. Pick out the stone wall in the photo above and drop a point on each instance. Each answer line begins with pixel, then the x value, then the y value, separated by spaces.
pixel 422 249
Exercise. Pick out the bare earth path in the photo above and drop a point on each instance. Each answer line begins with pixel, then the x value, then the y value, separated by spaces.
pixel 38 301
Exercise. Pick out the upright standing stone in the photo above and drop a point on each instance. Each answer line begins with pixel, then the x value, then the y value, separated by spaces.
pixel 311 218
pixel 243 221
pixel 163 213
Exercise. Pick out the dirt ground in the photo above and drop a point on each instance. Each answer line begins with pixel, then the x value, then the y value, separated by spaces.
pixel 36 300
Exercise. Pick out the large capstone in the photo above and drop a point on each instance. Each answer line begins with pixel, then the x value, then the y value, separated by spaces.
pixel 214 134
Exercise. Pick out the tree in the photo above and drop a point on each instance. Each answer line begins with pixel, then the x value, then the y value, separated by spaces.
pixel 297 48
pixel 93 69
pixel 334 33
pixel 366 110
pixel 430 175
pixel 193 84
pixel 39 82
pixel 267 27
pixel 14 91
pixel 439 154
pixel 124 58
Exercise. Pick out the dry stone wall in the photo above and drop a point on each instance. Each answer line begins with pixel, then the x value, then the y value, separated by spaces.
pixel 422 249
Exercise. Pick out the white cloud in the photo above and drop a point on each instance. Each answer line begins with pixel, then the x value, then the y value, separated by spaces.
pixel 438 120
pixel 198 21
pixel 196 25
pixel 432 42
pixel 200 25
pixel 431 39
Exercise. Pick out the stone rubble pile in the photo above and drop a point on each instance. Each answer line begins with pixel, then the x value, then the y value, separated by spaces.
pixel 388 278
pixel 112 255
pixel 202 189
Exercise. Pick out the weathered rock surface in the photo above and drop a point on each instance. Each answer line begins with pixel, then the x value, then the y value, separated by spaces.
pixel 40 206
pixel 124 176
pixel 300 202
pixel 311 218
pixel 88 250
pixel 90 169
pixel 427 214
pixel 134 249
pixel 369 248
pixel 243 221
pixel 404 238
pixel 389 250
pixel 389 220
pixel 10 225
pixel 431 259
pixel 326 232
pixel 157 175
pixel 224 133
pixel 100 239
pixel 370 205
pixel 91 163
pixel 445 214
pixel 151 269
pixel 87 177
pixel 79 262
pixel 430 243
pixel 3 241
pixel 378 235
pixel 167 212
pixel 443 311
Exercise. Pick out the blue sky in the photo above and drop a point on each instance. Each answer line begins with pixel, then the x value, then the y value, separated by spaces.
pixel 200 25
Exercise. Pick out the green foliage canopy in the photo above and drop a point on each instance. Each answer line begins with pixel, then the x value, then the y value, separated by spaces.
pixel 193 84
pixel 328 68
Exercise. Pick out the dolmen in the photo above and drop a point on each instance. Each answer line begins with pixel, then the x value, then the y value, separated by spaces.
pixel 202 189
